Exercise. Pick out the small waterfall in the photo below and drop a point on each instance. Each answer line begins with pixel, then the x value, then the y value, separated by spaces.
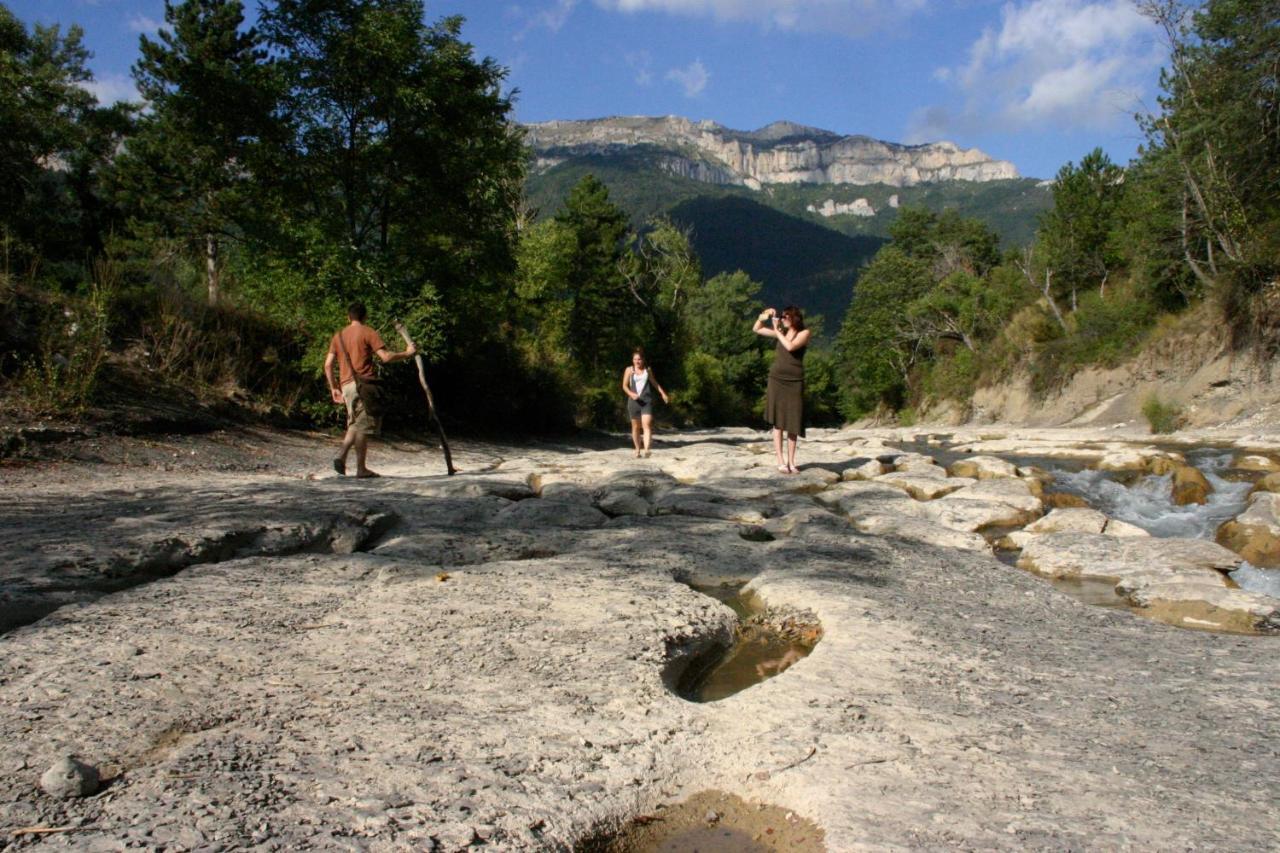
pixel 1148 503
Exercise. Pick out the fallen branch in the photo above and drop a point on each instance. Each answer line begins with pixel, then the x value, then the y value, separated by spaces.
pixel 765 774
pixel 881 760
pixel 44 830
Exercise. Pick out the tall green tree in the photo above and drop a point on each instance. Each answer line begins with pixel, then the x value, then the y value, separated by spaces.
pixel 193 170
pixel 53 147
pixel 720 315
pixel 873 349
pixel 1076 234
pixel 1219 118
pixel 662 273
pixel 595 286
pixel 402 173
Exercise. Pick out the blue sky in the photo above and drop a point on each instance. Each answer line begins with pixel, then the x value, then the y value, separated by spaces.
pixel 1037 82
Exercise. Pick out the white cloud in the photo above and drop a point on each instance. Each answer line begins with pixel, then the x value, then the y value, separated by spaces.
pixel 1050 64
pixel 848 17
pixel 143 24
pixel 693 78
pixel 640 62
pixel 110 88
pixel 551 17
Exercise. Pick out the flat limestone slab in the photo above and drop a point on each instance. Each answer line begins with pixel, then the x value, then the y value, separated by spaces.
pixel 1102 557
pixel 460 681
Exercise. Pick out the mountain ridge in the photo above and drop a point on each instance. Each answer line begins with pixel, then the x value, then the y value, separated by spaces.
pixel 781 152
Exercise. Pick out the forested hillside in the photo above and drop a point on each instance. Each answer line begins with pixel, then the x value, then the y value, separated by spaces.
pixel 1122 254
pixel 205 247
pixel 796 253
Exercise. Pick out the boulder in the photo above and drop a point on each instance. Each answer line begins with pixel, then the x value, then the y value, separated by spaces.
pixel 982 468
pixel 865 470
pixel 918 463
pixel 565 491
pixel 1064 500
pixel 1269 483
pixel 1115 527
pixel 1255 533
pixel 921 530
pixel 1102 557
pixel 973 515
pixel 623 502
pixel 1190 486
pixel 68 778
pixel 924 487
pixel 1014 493
pixel 859 499
pixel 1209 607
pixel 1070 520
pixel 677 504
pixel 1254 462
pixel 1147 459
pixel 551 513
pixel 1063 520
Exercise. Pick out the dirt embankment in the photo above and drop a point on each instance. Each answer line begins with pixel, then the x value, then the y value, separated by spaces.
pixel 1190 365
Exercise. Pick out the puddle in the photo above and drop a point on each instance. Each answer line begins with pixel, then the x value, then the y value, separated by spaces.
pixel 1099 593
pixel 712 822
pixel 755 533
pixel 765 644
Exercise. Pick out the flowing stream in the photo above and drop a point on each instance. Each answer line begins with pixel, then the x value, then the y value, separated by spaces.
pixel 1147 502
pixel 1144 500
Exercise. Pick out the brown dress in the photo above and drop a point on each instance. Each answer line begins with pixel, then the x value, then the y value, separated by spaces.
pixel 784 396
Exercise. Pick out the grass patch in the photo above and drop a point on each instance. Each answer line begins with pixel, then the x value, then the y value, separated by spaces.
pixel 1163 417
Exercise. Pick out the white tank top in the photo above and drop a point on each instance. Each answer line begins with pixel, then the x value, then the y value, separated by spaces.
pixel 639 378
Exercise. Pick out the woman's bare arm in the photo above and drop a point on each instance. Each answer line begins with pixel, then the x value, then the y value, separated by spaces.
pixel 626 385
pixel 760 328
pixel 793 340
pixel 654 380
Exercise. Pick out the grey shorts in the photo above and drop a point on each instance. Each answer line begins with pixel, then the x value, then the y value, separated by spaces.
pixel 636 408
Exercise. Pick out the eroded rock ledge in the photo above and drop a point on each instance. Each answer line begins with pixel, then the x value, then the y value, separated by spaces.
pixel 489 668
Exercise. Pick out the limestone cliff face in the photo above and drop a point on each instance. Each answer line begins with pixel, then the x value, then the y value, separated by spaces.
pixel 780 153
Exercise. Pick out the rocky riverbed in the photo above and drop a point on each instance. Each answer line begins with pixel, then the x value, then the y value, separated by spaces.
pixel 253 653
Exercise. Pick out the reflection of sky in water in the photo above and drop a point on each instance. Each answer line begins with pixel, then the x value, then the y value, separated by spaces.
pixel 1148 503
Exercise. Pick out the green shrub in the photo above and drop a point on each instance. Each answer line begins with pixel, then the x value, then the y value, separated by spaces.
pixel 907 416
pixel 1163 417
pixel 952 377
pixel 707 398
pixel 602 407
pixel 1102 332
pixel 821 390
pixel 74 341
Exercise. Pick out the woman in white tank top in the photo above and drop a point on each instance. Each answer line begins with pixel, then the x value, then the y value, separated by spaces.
pixel 638 383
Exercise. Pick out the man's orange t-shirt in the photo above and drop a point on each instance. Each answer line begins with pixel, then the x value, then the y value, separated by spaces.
pixel 361 342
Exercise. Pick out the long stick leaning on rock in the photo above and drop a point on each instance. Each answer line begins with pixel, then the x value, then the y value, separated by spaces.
pixel 431 403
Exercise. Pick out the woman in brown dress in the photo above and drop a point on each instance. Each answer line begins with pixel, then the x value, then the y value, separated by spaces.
pixel 784 398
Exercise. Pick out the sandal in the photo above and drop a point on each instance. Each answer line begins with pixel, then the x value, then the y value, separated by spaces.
pixel 340 465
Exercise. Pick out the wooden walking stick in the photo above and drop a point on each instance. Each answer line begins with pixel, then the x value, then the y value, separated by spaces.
pixel 431 403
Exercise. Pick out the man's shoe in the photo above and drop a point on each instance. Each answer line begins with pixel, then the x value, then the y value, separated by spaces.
pixel 340 465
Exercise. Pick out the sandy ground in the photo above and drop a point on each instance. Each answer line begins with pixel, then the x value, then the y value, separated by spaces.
pixel 256 653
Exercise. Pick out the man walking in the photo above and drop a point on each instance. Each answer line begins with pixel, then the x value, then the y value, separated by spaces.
pixel 353 348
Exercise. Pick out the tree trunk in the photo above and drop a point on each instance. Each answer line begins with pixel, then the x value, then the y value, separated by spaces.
pixel 211 267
